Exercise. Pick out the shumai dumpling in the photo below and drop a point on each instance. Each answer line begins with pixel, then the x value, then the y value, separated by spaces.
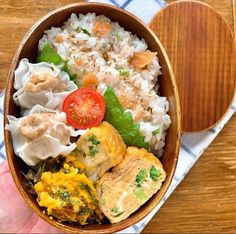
pixel 130 184
pixel 41 135
pixel 41 83
pixel 99 149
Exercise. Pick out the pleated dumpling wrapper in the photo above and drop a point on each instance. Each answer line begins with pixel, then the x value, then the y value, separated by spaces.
pixel 41 134
pixel 41 83
pixel 130 184
pixel 99 149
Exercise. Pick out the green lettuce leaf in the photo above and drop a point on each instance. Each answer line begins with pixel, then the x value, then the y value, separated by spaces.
pixel 123 121
pixel 47 54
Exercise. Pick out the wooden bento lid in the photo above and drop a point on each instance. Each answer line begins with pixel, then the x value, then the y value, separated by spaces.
pixel 201 49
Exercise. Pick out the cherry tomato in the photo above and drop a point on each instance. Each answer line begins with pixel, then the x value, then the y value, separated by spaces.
pixel 84 108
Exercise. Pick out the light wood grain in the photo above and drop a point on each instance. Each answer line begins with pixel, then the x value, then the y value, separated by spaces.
pixel 224 7
pixel 193 205
pixel 201 49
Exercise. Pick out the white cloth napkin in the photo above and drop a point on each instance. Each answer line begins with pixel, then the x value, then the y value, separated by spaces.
pixel 192 146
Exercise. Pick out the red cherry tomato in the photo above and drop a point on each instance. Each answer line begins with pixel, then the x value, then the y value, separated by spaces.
pixel 84 108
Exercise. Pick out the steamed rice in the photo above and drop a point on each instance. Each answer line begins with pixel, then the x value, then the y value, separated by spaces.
pixel 105 56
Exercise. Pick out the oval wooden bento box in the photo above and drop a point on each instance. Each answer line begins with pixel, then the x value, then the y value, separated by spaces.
pixel 28 49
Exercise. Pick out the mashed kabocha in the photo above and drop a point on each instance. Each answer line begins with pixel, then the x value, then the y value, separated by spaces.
pixel 68 195
pixel 92 123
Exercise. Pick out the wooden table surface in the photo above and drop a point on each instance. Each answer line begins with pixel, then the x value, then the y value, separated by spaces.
pixel 206 200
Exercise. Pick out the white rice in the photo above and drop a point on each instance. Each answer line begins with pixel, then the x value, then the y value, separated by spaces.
pixel 118 47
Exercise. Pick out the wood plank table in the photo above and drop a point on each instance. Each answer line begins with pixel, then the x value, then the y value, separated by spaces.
pixel 205 201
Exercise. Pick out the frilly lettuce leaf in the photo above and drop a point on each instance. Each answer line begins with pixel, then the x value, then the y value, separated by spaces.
pixel 123 121
pixel 47 54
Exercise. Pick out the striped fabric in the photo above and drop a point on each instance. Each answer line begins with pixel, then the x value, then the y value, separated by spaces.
pixel 192 146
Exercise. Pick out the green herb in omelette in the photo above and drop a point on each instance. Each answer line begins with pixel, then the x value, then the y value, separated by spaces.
pixel 140 194
pixel 115 209
pixel 140 177
pixel 154 173
pixel 94 140
pixel 123 121
pixel 119 214
pixel 93 151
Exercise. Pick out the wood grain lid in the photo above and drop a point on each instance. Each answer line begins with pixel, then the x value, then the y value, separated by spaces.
pixel 201 49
